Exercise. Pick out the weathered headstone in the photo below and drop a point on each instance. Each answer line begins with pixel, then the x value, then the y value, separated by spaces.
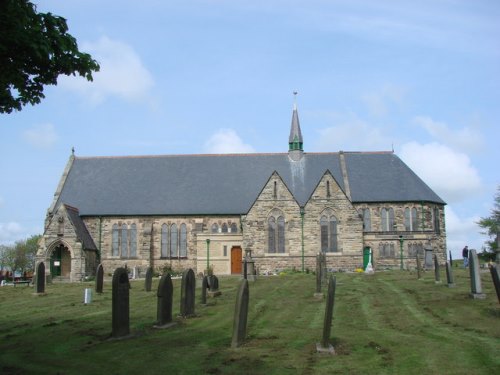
pixel 213 286
pixel 240 315
pixel 449 275
pixel 120 303
pixel 99 279
pixel 324 345
pixel 149 279
pixel 437 275
pixel 418 266
pixel 475 276
pixel 204 287
pixel 451 259
pixel 188 287
pixel 496 279
pixel 324 273
pixel 164 305
pixel 428 261
pixel 245 269
pixel 40 278
pixel 318 293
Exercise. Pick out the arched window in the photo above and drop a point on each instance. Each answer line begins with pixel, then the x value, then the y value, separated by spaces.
pixel 328 225
pixel 386 250
pixel 367 220
pixel 183 241
pixel 124 244
pixel 234 228
pixel 281 234
pixel 411 219
pixel 224 228
pixel 271 234
pixel 414 249
pixel 173 241
pixel 387 216
pixel 215 228
pixel 115 241
pixel 164 241
pixel 133 241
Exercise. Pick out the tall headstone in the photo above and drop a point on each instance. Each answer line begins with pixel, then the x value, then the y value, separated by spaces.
pixel 148 281
pixel 318 294
pixel 419 266
pixel 475 276
pixel 120 303
pixel 428 261
pixel 213 286
pixel 204 287
pixel 40 278
pixel 449 275
pixel 324 345
pixel 188 287
pixel 496 279
pixel 164 305
pixel 240 315
pixel 99 279
pixel 324 273
pixel 437 275
pixel 451 259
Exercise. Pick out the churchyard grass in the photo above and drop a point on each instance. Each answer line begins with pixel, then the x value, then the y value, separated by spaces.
pixel 386 323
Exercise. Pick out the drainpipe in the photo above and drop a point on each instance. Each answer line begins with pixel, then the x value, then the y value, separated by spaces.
pixel 302 213
pixel 100 240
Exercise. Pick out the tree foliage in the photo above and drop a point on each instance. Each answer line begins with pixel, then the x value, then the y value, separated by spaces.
pixel 491 224
pixel 20 256
pixel 35 48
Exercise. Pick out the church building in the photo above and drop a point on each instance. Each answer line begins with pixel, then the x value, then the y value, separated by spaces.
pixel 190 211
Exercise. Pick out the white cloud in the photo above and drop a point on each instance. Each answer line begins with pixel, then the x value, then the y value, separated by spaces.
pixel 378 101
pixel 461 231
pixel 122 73
pixel 447 172
pixel 10 232
pixel 351 134
pixel 42 136
pixel 226 141
pixel 464 139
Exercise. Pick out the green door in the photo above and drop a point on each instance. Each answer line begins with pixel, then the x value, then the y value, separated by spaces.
pixel 55 262
pixel 366 256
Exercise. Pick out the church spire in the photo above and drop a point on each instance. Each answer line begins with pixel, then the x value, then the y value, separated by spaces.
pixel 295 140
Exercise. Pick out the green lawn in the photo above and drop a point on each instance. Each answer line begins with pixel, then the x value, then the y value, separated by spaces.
pixel 387 323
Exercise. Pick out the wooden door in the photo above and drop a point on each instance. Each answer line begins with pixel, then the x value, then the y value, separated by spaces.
pixel 236 259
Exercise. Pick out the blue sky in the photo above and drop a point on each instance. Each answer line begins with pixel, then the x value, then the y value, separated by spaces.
pixel 207 76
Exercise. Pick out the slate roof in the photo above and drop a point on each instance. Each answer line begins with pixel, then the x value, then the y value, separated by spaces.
pixel 228 184
pixel 81 230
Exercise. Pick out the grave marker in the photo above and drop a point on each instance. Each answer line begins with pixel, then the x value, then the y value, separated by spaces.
pixel 149 279
pixel 324 345
pixel 40 278
pixel 240 315
pixel 164 304
pixel 213 285
pixel 99 279
pixel 475 277
pixel 188 286
pixel 437 275
pixel 120 303
pixel 496 279
pixel 204 287
pixel 418 266
pixel 449 275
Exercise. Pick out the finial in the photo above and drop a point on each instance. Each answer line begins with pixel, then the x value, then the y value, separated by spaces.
pixel 73 151
pixel 295 99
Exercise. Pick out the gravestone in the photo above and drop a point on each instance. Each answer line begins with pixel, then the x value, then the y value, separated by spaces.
pixel 324 274
pixel 40 278
pixel 475 276
pixel 120 303
pixel 318 294
pixel 164 304
pixel 99 279
pixel 188 287
pixel 418 266
pixel 249 263
pixel 496 279
pixel 204 287
pixel 149 279
pixel 451 259
pixel 428 261
pixel 449 275
pixel 245 269
pixel 240 315
pixel 437 276
pixel 213 286
pixel 324 345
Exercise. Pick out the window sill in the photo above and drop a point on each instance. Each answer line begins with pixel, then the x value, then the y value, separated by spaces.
pixel 276 254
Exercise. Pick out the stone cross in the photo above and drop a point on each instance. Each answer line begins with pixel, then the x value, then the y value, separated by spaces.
pixel 204 287
pixel 40 278
pixel 188 286
pixel 149 279
pixel 99 279
pixel 496 279
pixel 475 276
pixel 240 315
pixel 449 275
pixel 437 275
pixel 120 303
pixel 164 305
pixel 324 345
